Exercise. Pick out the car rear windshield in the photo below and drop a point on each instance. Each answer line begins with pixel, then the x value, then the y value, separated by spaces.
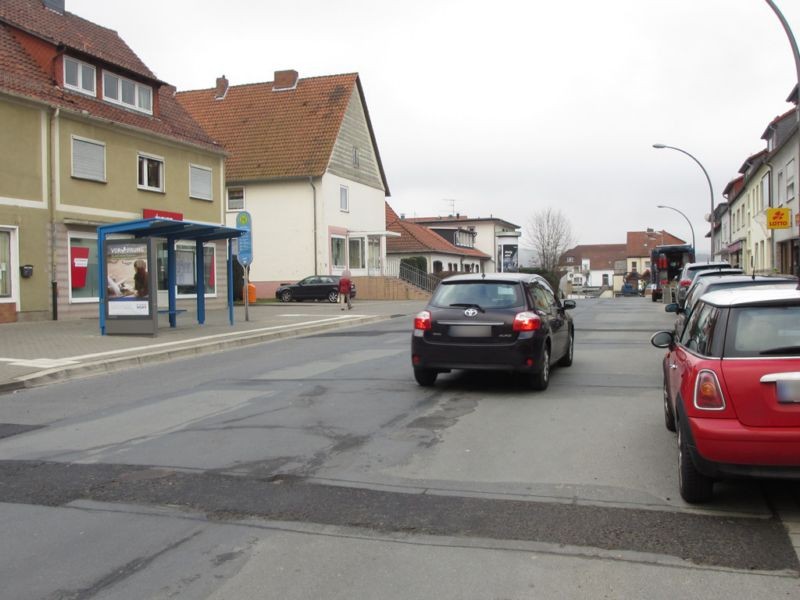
pixel 486 294
pixel 763 331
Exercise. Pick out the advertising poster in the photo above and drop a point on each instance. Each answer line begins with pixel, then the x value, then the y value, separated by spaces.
pixel 510 258
pixel 127 279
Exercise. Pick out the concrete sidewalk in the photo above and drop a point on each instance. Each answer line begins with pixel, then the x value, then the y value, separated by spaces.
pixel 40 352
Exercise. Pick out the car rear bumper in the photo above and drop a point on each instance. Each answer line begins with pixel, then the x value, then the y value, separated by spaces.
pixel 522 355
pixel 726 447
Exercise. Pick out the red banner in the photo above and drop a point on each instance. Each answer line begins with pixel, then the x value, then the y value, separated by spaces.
pixel 79 265
pixel 152 213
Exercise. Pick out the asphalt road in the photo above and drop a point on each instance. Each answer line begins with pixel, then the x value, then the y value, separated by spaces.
pixel 317 468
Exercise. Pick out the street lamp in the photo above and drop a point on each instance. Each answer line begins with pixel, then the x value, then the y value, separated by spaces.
pixel 710 188
pixel 685 217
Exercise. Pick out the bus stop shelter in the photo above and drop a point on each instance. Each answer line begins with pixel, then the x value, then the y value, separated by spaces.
pixel 171 231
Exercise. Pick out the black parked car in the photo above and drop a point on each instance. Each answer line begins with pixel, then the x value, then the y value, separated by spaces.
pixel 316 287
pixel 497 321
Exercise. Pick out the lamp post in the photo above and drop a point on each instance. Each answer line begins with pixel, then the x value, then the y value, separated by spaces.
pixel 710 189
pixel 685 217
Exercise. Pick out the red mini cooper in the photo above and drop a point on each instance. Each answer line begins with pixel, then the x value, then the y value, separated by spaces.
pixel 732 388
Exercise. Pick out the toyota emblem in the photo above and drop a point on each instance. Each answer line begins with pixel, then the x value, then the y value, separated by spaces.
pixel 471 312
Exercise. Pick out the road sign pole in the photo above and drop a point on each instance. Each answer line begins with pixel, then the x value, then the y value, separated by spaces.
pixel 246 294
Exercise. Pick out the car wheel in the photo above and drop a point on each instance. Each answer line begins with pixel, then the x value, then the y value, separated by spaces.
pixel 653 298
pixel 669 416
pixel 566 360
pixel 425 377
pixel 286 296
pixel 541 379
pixel 333 297
pixel 695 487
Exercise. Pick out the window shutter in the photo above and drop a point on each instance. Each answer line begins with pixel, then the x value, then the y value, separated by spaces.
pixel 88 160
pixel 200 183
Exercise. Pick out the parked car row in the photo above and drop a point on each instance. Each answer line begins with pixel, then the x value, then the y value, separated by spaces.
pixel 731 379
pixel 315 287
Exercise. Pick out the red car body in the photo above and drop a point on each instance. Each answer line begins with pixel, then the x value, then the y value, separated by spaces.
pixel 732 388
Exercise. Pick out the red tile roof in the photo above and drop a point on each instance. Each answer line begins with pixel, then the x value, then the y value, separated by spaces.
pixel 600 256
pixel 458 219
pixel 417 238
pixel 21 74
pixel 640 243
pixel 284 134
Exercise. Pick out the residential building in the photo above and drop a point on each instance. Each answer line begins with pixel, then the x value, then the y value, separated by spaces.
pixel 438 253
pixel 749 215
pixel 736 237
pixel 497 238
pixel 90 136
pixel 596 262
pixel 639 245
pixel 304 162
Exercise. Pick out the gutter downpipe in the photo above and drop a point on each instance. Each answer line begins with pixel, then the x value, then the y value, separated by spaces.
pixel 772 231
pixel 54 166
pixel 314 188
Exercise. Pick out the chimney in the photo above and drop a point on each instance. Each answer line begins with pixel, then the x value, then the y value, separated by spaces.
pixel 54 5
pixel 222 88
pixel 284 80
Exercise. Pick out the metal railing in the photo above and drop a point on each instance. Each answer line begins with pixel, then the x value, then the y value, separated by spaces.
pixel 414 276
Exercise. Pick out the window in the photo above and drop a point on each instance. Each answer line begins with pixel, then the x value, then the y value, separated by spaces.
pixel 633 265
pixel 200 183
pixel 88 159
pixel 130 94
pixel 697 335
pixel 790 180
pixel 570 259
pixel 151 173
pixel 338 252
pixel 356 253
pixel 84 275
pixel 235 198
pixel 5 264
pixel 79 76
pixel 344 199
pixel 781 190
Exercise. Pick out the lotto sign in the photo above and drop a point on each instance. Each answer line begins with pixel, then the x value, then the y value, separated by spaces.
pixel 779 218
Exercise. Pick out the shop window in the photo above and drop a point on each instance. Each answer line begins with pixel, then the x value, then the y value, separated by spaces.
pixel 84 271
pixel 186 269
pixel 338 252
pixel 5 264
pixel 356 253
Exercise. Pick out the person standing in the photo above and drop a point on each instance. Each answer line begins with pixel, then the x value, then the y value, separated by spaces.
pixel 344 289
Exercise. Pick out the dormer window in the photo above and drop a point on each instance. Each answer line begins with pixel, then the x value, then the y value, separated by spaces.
pixel 79 76
pixel 127 93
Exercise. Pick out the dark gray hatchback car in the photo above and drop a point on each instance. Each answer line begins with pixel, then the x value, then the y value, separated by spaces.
pixel 496 321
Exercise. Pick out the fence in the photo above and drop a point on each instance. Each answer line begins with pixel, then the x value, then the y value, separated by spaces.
pixel 412 275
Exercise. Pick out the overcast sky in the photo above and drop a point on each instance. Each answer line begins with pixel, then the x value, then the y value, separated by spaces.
pixel 504 108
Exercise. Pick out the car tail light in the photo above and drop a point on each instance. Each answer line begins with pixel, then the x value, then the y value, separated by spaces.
pixel 707 393
pixel 422 321
pixel 527 321
pixel 664 282
pixel 686 282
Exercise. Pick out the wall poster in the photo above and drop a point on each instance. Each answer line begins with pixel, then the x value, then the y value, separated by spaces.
pixel 128 279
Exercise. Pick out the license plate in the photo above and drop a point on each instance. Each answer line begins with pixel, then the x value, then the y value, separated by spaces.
pixel 470 331
pixel 788 392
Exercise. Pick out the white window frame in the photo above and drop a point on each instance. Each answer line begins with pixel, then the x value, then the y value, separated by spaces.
pixel 79 86
pixel 83 140
pixel 201 194
pixel 228 199
pixel 139 174
pixel 344 252
pixel 359 254
pixel 344 198
pixel 13 265
pixel 185 246
pixel 137 87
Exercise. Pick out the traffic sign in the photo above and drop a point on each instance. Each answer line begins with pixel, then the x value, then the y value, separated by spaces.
pixel 245 222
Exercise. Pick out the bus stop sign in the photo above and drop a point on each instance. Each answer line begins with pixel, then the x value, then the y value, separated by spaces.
pixel 245 223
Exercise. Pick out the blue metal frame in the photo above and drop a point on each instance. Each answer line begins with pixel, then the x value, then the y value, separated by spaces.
pixel 171 231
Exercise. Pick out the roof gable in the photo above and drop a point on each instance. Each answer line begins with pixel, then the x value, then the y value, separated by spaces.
pixel 278 133
pixel 640 243
pixel 600 256
pixel 418 238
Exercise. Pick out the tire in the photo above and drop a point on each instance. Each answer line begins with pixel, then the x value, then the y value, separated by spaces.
pixel 425 377
pixel 653 298
pixel 333 297
pixel 695 488
pixel 541 379
pixel 566 360
pixel 286 296
pixel 669 416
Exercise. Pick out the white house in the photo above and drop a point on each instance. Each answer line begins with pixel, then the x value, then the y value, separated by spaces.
pixel 303 161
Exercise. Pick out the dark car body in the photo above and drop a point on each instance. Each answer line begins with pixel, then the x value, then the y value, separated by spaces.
pixel 497 321
pixel 315 287
pixel 690 271
pixel 732 388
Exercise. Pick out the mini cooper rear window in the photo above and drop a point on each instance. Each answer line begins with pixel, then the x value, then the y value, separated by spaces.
pixel 486 294
pixel 764 331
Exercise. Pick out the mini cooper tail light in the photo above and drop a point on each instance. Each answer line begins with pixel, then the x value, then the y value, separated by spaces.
pixel 707 393
pixel 422 321
pixel 527 321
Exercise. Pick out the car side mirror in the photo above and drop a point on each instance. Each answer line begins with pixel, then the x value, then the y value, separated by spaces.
pixel 569 304
pixel 672 307
pixel 663 339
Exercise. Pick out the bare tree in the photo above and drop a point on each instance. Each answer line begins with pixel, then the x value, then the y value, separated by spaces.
pixel 549 234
